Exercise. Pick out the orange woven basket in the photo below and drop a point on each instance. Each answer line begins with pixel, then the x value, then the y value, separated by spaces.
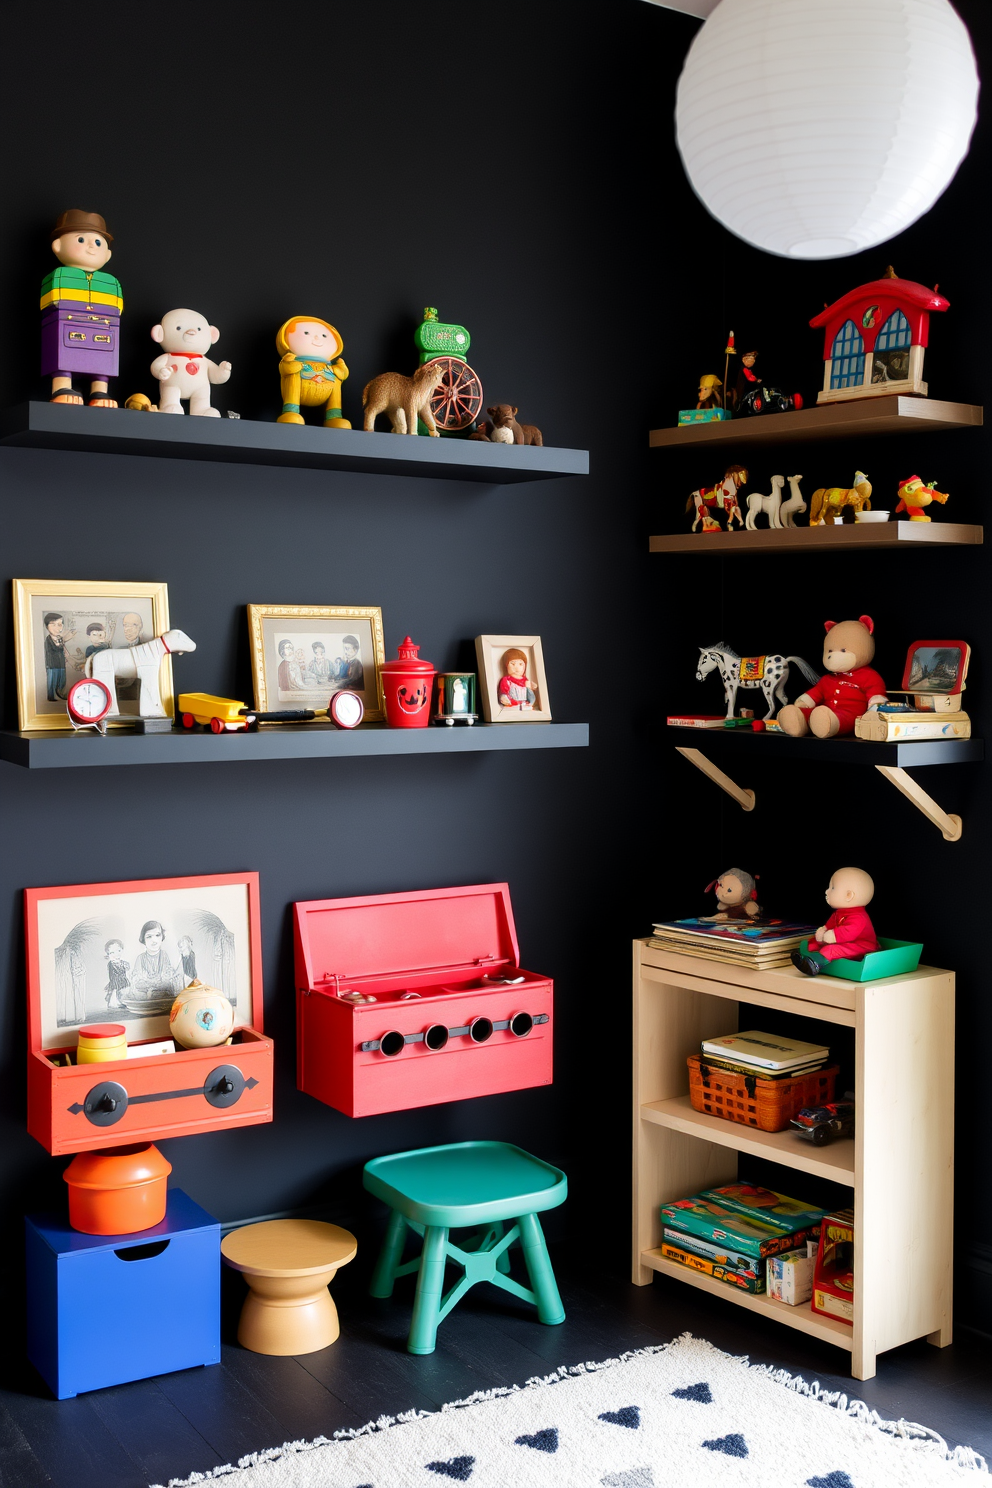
pixel 755 1100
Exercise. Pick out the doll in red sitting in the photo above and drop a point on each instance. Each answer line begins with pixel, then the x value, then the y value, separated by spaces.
pixel 848 933
pixel 849 689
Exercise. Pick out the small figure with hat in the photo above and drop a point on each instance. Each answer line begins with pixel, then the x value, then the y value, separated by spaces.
pixel 311 371
pixel 80 310
pixel 914 496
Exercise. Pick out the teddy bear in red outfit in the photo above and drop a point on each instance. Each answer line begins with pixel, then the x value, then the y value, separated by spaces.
pixel 849 689
pixel 848 934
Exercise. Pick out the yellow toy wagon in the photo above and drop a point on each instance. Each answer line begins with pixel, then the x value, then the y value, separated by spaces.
pixel 219 714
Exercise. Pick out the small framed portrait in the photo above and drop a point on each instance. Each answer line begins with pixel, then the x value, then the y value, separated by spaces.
pixel 122 953
pixel 512 682
pixel 59 624
pixel 936 666
pixel 302 654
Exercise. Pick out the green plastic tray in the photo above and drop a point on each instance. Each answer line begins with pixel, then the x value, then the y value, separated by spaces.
pixel 894 959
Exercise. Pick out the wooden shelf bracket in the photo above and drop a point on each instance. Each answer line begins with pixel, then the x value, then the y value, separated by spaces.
pixel 744 798
pixel 949 825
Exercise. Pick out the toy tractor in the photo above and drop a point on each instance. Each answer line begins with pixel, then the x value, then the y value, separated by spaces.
pixel 458 401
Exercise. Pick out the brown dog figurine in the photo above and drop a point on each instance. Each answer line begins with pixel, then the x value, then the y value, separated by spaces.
pixel 504 416
pixel 403 399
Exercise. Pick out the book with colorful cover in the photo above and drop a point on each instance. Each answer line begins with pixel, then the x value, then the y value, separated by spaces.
pixel 744 1281
pixel 743 933
pixel 712 1250
pixel 764 1052
pixel 749 1220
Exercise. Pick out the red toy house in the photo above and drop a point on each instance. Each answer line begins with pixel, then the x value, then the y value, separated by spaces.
pixel 875 337
pixel 83 1107
pixel 413 999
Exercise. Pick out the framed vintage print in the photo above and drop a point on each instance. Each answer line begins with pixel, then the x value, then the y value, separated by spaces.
pixel 936 666
pixel 302 654
pixel 122 953
pixel 59 623
pixel 512 683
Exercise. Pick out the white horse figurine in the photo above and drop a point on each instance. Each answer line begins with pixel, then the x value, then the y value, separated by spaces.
pixel 770 673
pixel 795 502
pixel 144 663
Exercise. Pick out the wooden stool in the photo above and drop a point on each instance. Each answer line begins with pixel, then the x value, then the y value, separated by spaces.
pixel 288 1264
pixel 477 1185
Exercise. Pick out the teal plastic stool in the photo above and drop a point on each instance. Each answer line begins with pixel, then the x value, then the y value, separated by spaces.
pixel 481 1185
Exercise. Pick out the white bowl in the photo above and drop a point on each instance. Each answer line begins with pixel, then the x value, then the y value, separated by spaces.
pixel 875 516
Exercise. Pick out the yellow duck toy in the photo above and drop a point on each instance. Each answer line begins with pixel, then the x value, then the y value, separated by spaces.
pixel 311 370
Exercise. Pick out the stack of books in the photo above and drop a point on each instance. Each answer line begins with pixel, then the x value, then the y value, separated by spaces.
pixel 729 1233
pixel 761 945
pixel 768 1054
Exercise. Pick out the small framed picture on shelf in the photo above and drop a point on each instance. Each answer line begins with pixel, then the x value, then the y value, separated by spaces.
pixel 512 682
pixel 60 623
pixel 302 654
pixel 122 952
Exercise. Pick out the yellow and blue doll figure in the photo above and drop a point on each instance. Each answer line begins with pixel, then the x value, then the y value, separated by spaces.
pixel 311 371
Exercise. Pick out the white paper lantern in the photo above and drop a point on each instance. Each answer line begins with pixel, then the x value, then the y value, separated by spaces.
pixel 818 128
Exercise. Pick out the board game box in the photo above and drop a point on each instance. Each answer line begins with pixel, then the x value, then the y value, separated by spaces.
pixel 749 1220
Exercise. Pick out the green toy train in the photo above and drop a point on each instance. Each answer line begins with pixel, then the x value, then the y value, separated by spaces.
pixel 458 401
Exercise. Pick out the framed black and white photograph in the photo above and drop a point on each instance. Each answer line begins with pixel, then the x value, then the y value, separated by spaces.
pixel 302 654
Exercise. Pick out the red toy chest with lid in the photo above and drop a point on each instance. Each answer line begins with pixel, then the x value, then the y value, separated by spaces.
pixel 85 1107
pixel 445 1025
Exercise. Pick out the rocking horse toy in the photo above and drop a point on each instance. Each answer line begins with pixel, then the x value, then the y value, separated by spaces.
pixel 723 497
pixel 770 673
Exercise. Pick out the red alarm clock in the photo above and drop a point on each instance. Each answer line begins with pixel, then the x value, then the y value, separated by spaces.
pixel 88 704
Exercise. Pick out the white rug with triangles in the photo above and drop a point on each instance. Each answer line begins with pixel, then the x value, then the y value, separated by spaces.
pixel 681 1416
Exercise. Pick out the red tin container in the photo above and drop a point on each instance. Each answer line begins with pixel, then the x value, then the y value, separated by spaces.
pixel 445 1023
pixel 84 1107
pixel 406 685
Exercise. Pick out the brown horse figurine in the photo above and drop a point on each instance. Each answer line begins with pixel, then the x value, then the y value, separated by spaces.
pixel 827 504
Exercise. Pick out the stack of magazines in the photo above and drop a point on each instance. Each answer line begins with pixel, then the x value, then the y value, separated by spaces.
pixel 760 944
pixel 768 1054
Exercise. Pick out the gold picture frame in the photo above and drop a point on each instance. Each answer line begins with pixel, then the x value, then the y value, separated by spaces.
pixel 93 614
pixel 302 654
pixel 490 653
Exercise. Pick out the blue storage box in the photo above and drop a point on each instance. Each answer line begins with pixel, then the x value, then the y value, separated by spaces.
pixel 105 1309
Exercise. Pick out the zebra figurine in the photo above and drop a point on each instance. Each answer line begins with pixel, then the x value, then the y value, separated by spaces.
pixel 770 673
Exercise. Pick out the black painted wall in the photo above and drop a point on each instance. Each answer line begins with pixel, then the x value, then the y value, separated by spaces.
pixel 517 169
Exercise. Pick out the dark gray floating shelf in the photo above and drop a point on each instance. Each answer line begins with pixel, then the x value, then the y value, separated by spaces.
pixel 63 749
pixel 120 431
pixel 724 745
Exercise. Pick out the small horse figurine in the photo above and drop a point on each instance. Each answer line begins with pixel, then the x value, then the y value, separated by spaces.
pixel 829 501
pixel 723 496
pixel 770 673
pixel 795 503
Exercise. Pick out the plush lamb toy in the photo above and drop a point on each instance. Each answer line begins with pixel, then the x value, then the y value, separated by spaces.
pixel 849 688
pixel 183 370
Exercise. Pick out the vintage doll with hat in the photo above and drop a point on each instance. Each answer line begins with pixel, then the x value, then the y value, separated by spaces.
pixel 851 686
pixel 737 895
pixel 80 310
pixel 311 370
pixel 848 934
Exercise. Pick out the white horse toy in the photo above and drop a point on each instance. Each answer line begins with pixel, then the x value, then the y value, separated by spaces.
pixel 144 663
pixel 770 673
pixel 779 513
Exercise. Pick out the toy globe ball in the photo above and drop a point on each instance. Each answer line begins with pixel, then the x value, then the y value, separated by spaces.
pixel 201 1017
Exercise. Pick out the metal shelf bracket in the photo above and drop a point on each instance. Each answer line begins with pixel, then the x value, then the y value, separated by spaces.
pixel 744 798
pixel 949 825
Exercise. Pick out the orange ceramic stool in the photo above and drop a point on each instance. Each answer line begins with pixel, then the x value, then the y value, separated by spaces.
pixel 288 1264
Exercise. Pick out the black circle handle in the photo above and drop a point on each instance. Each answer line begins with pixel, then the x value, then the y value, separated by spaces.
pixel 224 1085
pixel 436 1036
pixel 521 1024
pixel 480 1029
pixel 105 1104
pixel 392 1043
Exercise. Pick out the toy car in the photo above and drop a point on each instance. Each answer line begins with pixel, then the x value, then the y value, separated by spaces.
pixel 764 399
pixel 819 1124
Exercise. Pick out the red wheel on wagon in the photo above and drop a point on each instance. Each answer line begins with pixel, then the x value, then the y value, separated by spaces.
pixel 458 401
pixel 188 720
pixel 216 727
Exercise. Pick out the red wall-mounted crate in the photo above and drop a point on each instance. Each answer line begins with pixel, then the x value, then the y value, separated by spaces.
pixel 81 1108
pixel 459 1036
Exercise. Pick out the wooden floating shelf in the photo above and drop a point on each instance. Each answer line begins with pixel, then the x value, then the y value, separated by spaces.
pixel 850 420
pixel 834 1161
pixel 738 744
pixel 64 749
pixel 802 1317
pixel 122 431
pixel 847 536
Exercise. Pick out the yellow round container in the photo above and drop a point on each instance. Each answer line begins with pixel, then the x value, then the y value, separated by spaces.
pixel 101 1042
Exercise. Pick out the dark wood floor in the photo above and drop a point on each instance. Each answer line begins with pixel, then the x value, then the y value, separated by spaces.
pixel 171 1426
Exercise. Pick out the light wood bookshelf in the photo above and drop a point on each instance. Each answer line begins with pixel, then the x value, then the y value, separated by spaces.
pixel 899 1165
